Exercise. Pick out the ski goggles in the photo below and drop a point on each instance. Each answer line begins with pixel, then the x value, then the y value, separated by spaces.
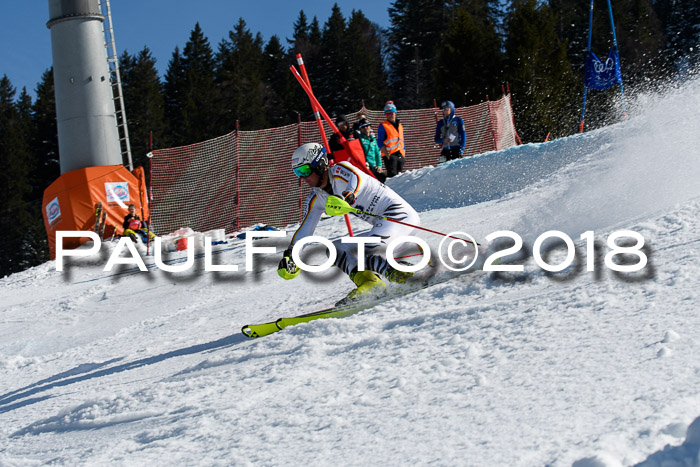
pixel 303 170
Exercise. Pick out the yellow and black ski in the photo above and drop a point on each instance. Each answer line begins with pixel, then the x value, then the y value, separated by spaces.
pixel 395 291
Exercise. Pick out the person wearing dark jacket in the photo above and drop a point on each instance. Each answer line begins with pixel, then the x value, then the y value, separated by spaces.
pixel 449 132
pixel 356 126
pixel 133 224
pixel 344 127
pixel 373 156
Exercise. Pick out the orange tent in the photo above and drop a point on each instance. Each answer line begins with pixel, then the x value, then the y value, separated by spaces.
pixel 69 202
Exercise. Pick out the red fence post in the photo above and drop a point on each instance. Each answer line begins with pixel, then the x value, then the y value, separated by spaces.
pixel 510 96
pixel 491 127
pixel 238 178
pixel 150 173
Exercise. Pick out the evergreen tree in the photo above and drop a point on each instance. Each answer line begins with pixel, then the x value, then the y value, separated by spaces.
pixel 640 40
pixel 469 59
pixel 414 37
pixel 279 84
pixel 543 84
pixel 144 103
pixel 15 188
pixel 332 87
pixel 571 26
pixel 307 42
pixel 315 34
pixel 198 64
pixel 175 93
pixel 34 249
pixel 45 137
pixel 316 73
pixel 681 24
pixel 306 39
pixel 46 165
pixel 367 77
pixel 301 41
pixel 126 65
pixel 190 91
pixel 239 67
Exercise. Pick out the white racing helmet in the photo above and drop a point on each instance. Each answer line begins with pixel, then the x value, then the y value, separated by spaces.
pixel 309 158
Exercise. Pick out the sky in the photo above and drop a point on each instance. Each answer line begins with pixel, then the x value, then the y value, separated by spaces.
pixel 159 24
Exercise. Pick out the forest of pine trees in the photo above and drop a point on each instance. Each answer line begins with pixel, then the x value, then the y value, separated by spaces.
pixel 456 50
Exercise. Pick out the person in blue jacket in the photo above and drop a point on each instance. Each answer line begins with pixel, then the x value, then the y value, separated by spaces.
pixel 449 132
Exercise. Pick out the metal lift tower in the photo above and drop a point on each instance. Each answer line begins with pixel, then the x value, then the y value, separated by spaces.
pixel 94 188
pixel 86 117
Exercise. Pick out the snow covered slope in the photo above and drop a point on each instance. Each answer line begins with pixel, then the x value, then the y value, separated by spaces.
pixel 514 369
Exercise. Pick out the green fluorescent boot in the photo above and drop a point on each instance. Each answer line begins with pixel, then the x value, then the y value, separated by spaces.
pixel 394 275
pixel 366 282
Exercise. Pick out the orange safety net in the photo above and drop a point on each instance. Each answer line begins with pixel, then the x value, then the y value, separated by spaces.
pixel 69 202
pixel 245 177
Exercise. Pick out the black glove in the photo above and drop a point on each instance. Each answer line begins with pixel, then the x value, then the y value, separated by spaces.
pixel 287 269
pixel 349 197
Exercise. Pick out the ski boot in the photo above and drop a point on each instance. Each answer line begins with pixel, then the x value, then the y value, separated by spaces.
pixel 366 282
pixel 400 277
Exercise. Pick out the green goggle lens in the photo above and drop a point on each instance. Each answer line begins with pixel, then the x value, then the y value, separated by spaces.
pixel 303 170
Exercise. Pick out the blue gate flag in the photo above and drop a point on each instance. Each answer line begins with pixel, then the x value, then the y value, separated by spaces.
pixel 603 74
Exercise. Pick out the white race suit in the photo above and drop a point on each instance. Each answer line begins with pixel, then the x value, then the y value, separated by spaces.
pixel 371 196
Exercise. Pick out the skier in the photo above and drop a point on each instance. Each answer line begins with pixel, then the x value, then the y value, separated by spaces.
pixel 365 193
pixel 449 132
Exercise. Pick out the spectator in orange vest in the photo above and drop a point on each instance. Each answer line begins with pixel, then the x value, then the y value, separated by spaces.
pixel 390 141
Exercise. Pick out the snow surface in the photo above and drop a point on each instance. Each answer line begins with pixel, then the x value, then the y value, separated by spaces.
pixel 490 369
